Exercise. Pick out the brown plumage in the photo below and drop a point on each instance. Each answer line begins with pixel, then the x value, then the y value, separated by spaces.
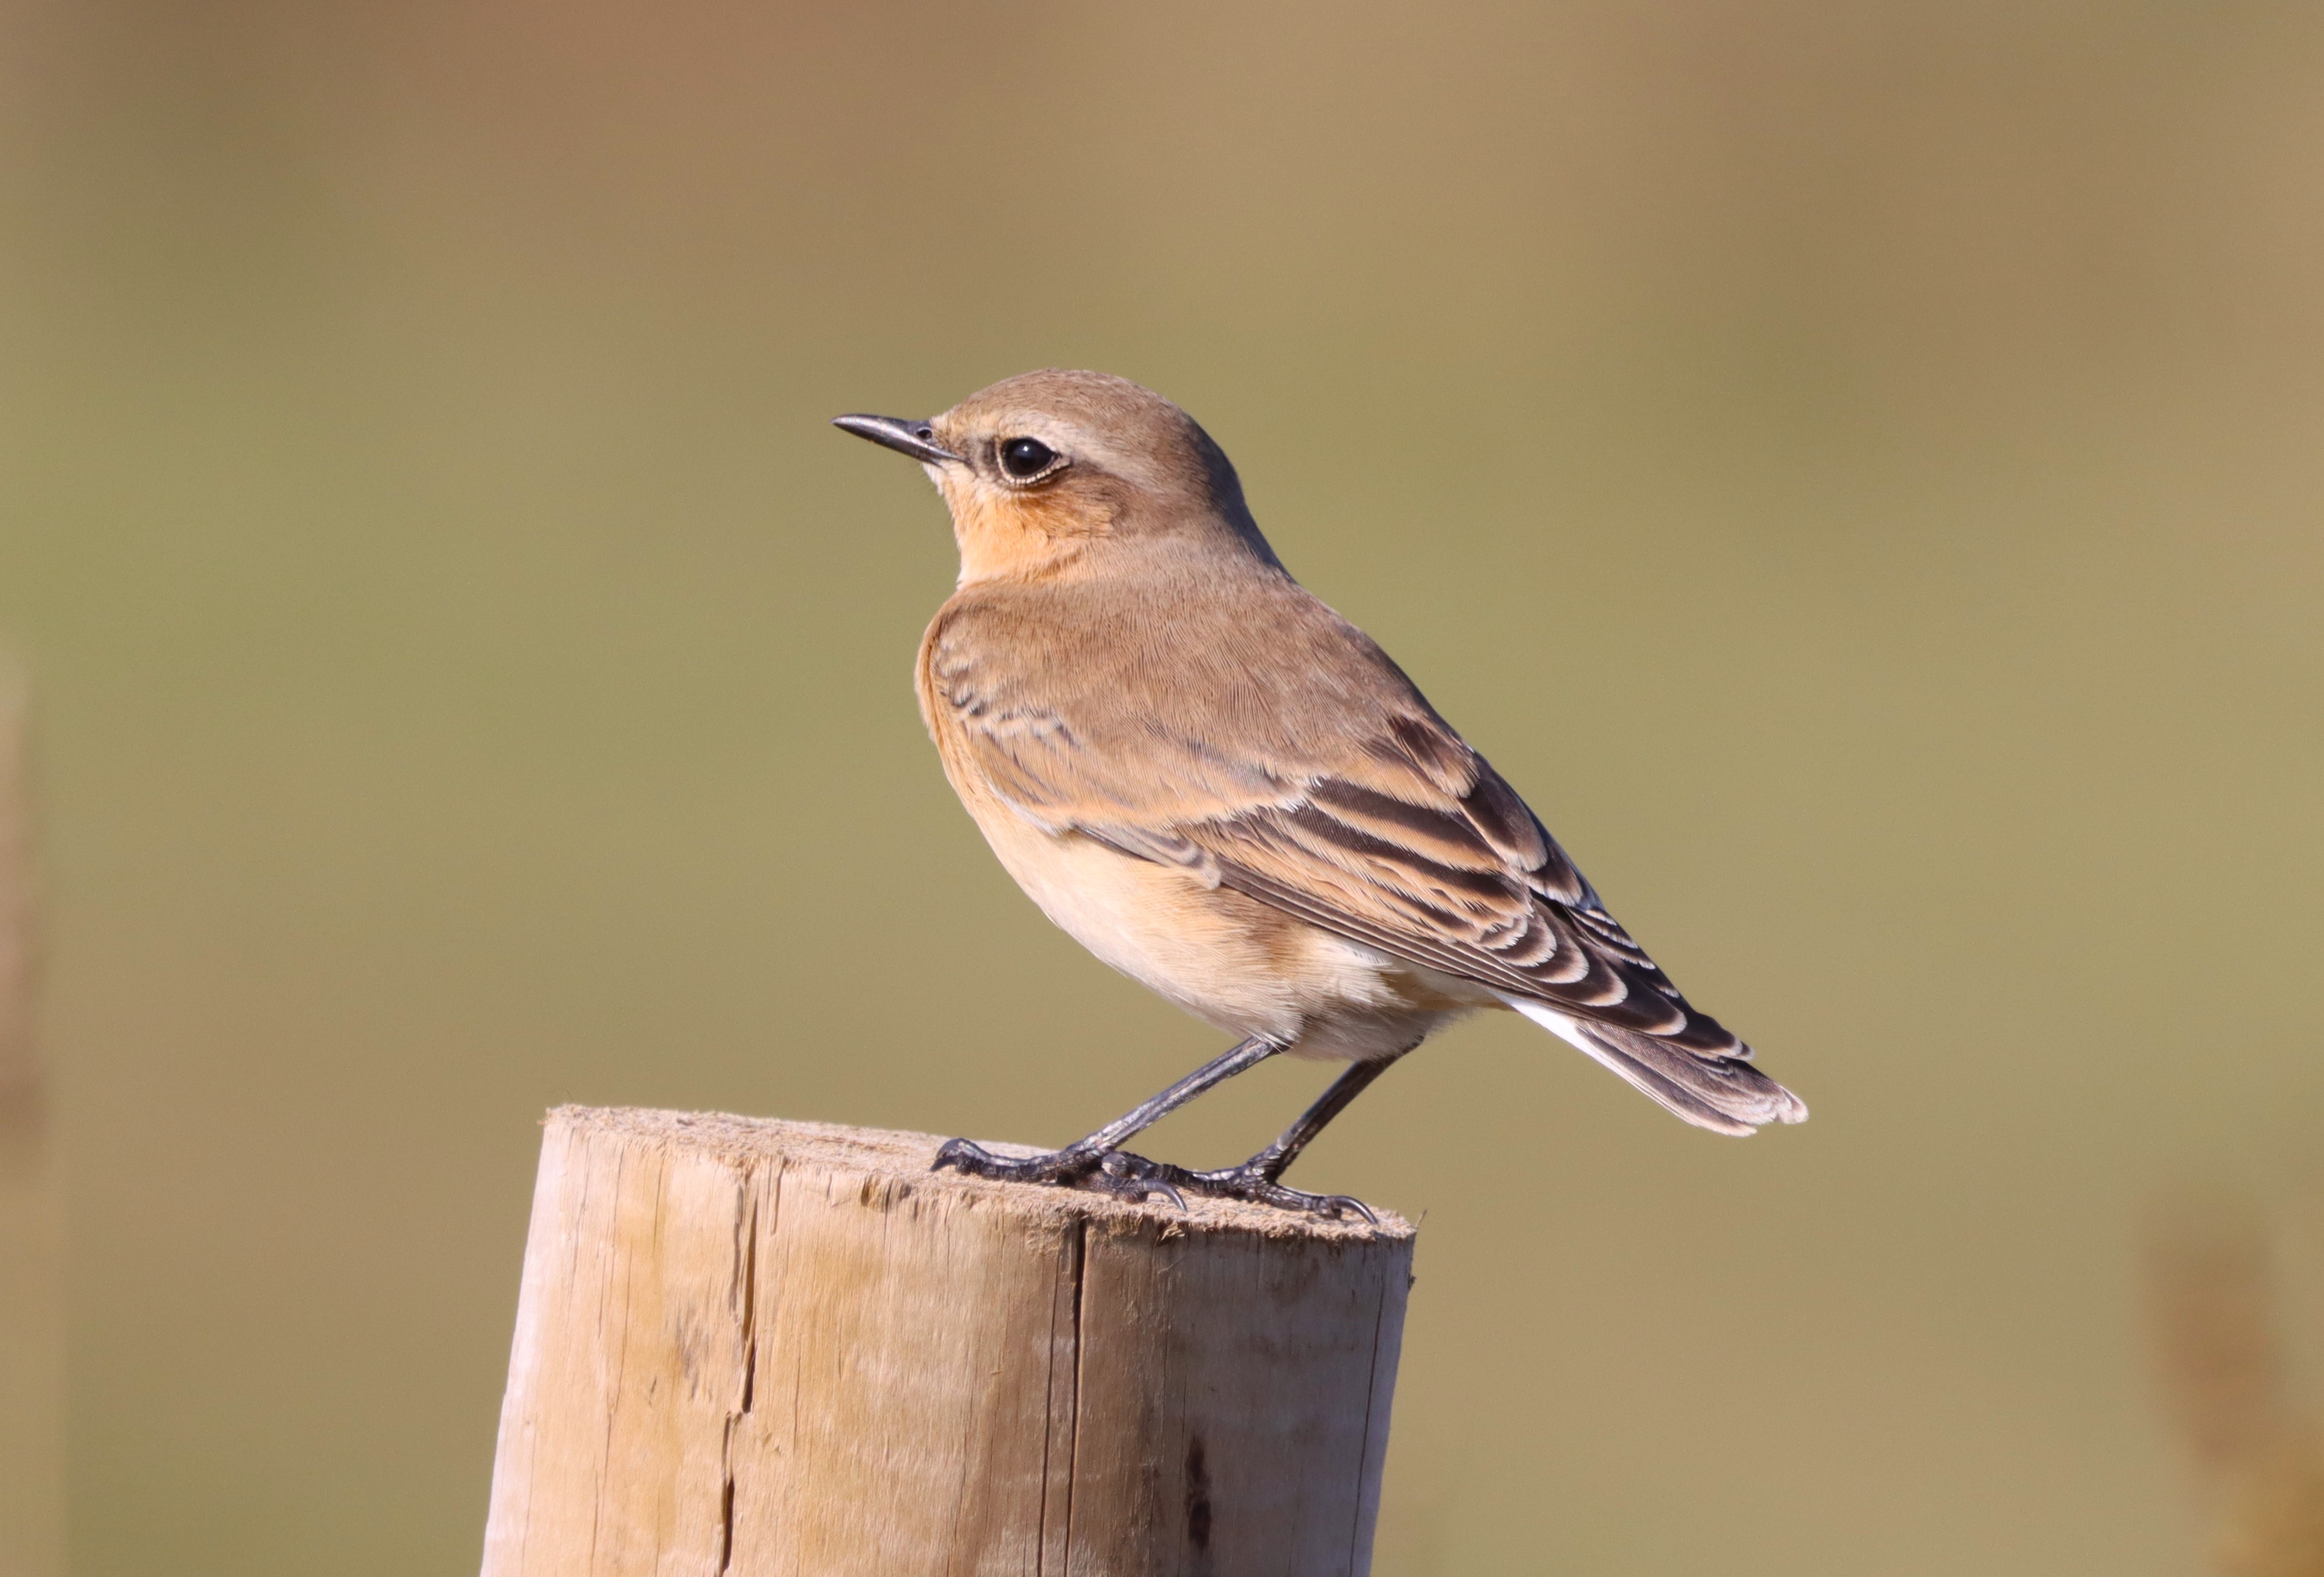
pixel 1228 791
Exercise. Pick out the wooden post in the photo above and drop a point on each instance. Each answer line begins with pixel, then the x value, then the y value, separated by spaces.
pixel 758 1348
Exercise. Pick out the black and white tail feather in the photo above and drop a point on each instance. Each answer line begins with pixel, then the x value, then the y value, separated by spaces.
pixel 1723 1093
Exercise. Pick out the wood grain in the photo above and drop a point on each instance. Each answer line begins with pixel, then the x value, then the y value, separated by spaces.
pixel 762 1347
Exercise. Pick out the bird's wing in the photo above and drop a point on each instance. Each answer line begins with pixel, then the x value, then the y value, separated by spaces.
pixel 1350 803
pixel 1459 877
pixel 1460 889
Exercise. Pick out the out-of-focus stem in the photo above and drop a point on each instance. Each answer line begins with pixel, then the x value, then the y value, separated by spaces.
pixel 2211 1295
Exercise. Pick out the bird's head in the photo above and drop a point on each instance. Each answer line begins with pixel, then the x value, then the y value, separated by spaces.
pixel 1047 472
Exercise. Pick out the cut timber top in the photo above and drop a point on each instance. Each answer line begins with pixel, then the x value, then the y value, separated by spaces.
pixel 747 1348
pixel 901 1161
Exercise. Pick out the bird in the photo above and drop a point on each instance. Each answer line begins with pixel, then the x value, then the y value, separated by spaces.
pixel 1232 795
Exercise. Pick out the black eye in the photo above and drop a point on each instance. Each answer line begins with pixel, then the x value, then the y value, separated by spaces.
pixel 1026 458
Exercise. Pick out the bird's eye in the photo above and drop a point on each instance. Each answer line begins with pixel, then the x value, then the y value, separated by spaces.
pixel 1026 458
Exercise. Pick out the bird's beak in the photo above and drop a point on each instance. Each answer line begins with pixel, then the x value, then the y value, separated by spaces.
pixel 915 438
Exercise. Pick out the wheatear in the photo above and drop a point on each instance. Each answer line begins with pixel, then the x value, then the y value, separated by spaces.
pixel 1228 792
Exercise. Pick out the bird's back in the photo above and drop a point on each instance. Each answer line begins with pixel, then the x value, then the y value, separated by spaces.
pixel 1166 682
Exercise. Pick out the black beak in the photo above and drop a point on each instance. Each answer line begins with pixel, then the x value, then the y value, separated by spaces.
pixel 915 438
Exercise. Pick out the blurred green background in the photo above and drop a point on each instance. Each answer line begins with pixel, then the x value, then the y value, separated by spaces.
pixel 1856 467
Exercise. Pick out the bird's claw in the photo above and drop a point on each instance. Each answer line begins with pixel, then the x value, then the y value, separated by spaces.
pixel 1253 1187
pixel 1130 1176
pixel 966 1156
pixel 1115 1172
pixel 962 1155
pixel 1125 1175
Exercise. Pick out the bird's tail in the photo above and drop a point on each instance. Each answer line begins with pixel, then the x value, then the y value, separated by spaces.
pixel 1725 1094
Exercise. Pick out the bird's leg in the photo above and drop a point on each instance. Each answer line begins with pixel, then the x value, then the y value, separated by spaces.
pixel 1259 1179
pixel 1093 1162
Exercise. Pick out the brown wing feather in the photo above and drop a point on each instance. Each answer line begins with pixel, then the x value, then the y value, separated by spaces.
pixel 1318 780
pixel 1461 910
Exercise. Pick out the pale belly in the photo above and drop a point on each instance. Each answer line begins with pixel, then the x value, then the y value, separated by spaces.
pixel 1229 960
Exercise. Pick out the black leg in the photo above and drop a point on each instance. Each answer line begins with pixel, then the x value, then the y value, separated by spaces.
pixel 1259 1179
pixel 1095 1162
pixel 1275 1159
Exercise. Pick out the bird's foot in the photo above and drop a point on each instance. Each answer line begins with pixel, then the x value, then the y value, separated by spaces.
pixel 1115 1172
pixel 1125 1175
pixel 1254 1187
